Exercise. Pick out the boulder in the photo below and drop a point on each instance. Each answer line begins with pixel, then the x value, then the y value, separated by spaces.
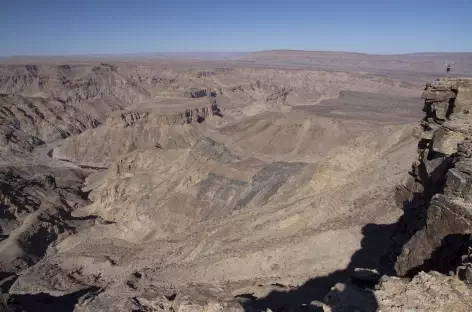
pixel 463 102
pixel 440 110
pixel 445 141
pixel 434 95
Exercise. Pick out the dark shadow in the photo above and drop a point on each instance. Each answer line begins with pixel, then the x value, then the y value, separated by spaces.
pixel 37 244
pixel 84 194
pixel 446 257
pixel 46 302
pixel 215 110
pixel 171 297
pixel 92 167
pixel 4 275
pixel 374 254
pixel 451 105
pixel 200 119
pixel 246 296
pixel 6 281
pixel 415 203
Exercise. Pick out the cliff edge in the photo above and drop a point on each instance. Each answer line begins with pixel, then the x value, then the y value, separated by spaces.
pixel 441 182
pixel 432 243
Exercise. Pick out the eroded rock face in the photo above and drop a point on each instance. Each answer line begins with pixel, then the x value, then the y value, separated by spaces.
pixel 443 171
pixel 127 131
pixel 197 92
pixel 34 210
pixel 40 104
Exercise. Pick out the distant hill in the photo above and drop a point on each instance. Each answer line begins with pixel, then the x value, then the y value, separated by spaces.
pixel 430 62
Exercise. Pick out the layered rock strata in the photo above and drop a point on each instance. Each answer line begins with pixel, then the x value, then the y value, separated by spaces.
pixel 441 181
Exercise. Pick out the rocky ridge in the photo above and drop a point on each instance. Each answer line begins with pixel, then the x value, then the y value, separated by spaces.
pixel 36 208
pixel 126 131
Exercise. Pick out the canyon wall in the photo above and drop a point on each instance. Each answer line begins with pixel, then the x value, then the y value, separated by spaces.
pixel 441 181
pixel 432 248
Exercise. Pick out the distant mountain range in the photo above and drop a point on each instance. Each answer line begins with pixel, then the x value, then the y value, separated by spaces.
pixel 421 62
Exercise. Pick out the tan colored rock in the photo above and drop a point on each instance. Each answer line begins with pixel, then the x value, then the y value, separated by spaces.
pixel 445 219
pixel 440 110
pixel 426 292
pixel 438 96
pixel 455 182
pixel 127 131
pixel 463 101
pixel 208 307
pixel 445 142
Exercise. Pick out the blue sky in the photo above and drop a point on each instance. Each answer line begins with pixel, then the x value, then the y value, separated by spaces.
pixel 52 27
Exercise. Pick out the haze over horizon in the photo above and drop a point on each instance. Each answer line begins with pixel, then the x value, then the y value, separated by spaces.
pixel 123 27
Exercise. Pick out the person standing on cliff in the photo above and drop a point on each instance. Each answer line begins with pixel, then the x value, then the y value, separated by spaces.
pixel 448 68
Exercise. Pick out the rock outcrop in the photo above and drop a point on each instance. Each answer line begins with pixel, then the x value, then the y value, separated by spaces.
pixel 441 181
pixel 127 131
pixel 425 292
pixel 35 207
pixel 198 93
pixel 132 117
pixel 40 104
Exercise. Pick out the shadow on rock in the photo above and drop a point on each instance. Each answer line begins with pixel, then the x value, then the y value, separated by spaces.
pixel 380 246
pixel 46 302
pixel 374 254
pixel 446 257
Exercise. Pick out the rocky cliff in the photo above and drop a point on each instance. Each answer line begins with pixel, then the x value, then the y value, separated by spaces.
pixel 441 181
pixel 432 241
pixel 128 130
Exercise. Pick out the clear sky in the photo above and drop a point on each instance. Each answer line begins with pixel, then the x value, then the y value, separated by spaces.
pixel 58 27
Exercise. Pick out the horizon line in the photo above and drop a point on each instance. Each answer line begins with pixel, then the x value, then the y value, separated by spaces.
pixel 157 53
